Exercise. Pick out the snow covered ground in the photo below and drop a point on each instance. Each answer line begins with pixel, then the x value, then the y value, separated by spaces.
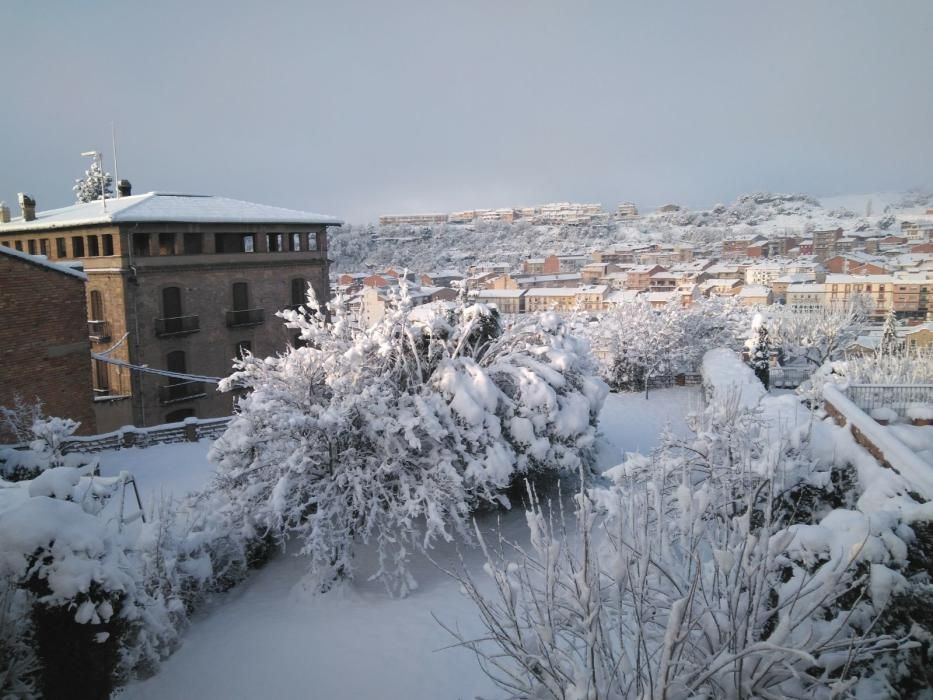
pixel 270 639
pixel 178 468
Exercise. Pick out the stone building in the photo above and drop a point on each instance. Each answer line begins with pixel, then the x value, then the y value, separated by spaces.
pixel 44 346
pixel 178 283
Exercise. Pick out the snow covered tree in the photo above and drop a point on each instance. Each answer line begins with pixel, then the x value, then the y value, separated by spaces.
pixel 392 434
pixel 890 344
pixel 90 187
pixel 816 336
pixel 760 352
pixel 692 575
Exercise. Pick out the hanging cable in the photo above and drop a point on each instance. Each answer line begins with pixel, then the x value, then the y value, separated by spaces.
pixel 151 370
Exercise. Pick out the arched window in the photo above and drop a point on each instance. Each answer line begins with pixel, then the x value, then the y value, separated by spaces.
pixel 299 291
pixel 97 306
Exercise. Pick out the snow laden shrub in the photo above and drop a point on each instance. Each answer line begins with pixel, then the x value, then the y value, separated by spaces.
pixel 393 434
pixel 640 343
pixel 689 575
pixel 812 338
pixel 44 439
pixel 18 663
pixel 187 550
pixel 77 575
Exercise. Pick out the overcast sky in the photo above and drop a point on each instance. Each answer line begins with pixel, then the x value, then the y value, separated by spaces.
pixel 356 108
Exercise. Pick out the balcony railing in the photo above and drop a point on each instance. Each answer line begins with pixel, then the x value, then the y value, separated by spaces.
pixel 177 325
pixel 98 331
pixel 245 317
pixel 180 391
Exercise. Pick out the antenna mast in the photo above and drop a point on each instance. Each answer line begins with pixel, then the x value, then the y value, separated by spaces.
pixel 113 137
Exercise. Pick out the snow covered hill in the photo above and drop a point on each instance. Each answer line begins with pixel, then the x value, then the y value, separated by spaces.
pixel 443 246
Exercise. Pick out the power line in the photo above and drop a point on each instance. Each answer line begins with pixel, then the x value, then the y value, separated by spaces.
pixel 151 370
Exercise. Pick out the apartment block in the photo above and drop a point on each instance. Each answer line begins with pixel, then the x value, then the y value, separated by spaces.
pixel 180 284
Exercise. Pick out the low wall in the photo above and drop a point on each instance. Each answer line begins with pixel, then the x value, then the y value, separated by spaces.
pixel 189 430
pixel 881 444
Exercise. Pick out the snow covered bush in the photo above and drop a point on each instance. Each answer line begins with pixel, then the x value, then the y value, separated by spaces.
pixel 814 337
pixel 44 438
pixel 695 572
pixel 641 343
pixel 393 434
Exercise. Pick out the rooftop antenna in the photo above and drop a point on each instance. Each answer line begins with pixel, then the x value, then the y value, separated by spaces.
pixel 103 180
pixel 113 137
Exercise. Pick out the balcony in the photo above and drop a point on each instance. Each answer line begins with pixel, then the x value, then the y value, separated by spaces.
pixel 177 325
pixel 98 331
pixel 245 317
pixel 180 391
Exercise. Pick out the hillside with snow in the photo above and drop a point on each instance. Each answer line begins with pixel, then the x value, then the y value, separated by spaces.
pixel 444 246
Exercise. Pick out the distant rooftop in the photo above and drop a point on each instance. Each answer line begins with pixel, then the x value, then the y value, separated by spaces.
pixel 167 207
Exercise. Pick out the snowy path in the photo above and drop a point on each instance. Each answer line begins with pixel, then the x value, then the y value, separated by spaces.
pixel 270 639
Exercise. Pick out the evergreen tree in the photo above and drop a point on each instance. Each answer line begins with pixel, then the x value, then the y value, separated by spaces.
pixel 760 358
pixel 88 188
pixel 890 344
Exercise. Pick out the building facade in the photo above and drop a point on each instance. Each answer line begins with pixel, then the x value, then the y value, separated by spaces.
pixel 181 285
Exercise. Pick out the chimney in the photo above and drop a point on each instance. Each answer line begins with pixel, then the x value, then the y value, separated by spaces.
pixel 124 188
pixel 4 213
pixel 28 205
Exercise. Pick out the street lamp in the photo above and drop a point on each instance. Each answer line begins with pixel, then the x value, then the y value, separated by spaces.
pixel 103 180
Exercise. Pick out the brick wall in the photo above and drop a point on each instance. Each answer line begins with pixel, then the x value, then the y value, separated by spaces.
pixel 44 347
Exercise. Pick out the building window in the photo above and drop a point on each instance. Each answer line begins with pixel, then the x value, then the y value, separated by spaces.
pixel 44 246
pixel 243 348
pixel 234 243
pixel 294 242
pixel 77 247
pixel 60 249
pixel 171 302
pixel 166 244
pixel 299 291
pixel 312 241
pixel 19 245
pixel 31 246
pixel 193 243
pixel 274 241
pixel 107 240
pixel 97 306
pixel 93 249
pixel 240 296
pixel 101 378
pixel 140 245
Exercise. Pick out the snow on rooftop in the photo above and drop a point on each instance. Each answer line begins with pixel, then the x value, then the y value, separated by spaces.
pixel 158 207
pixel 42 261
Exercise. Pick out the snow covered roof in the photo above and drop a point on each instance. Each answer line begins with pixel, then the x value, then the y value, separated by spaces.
pixel 159 207
pixel 42 261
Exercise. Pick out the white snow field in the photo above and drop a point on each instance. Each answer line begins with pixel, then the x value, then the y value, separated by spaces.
pixel 269 638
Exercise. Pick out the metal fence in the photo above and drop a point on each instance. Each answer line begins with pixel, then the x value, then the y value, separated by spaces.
pixel 789 377
pixel 897 397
